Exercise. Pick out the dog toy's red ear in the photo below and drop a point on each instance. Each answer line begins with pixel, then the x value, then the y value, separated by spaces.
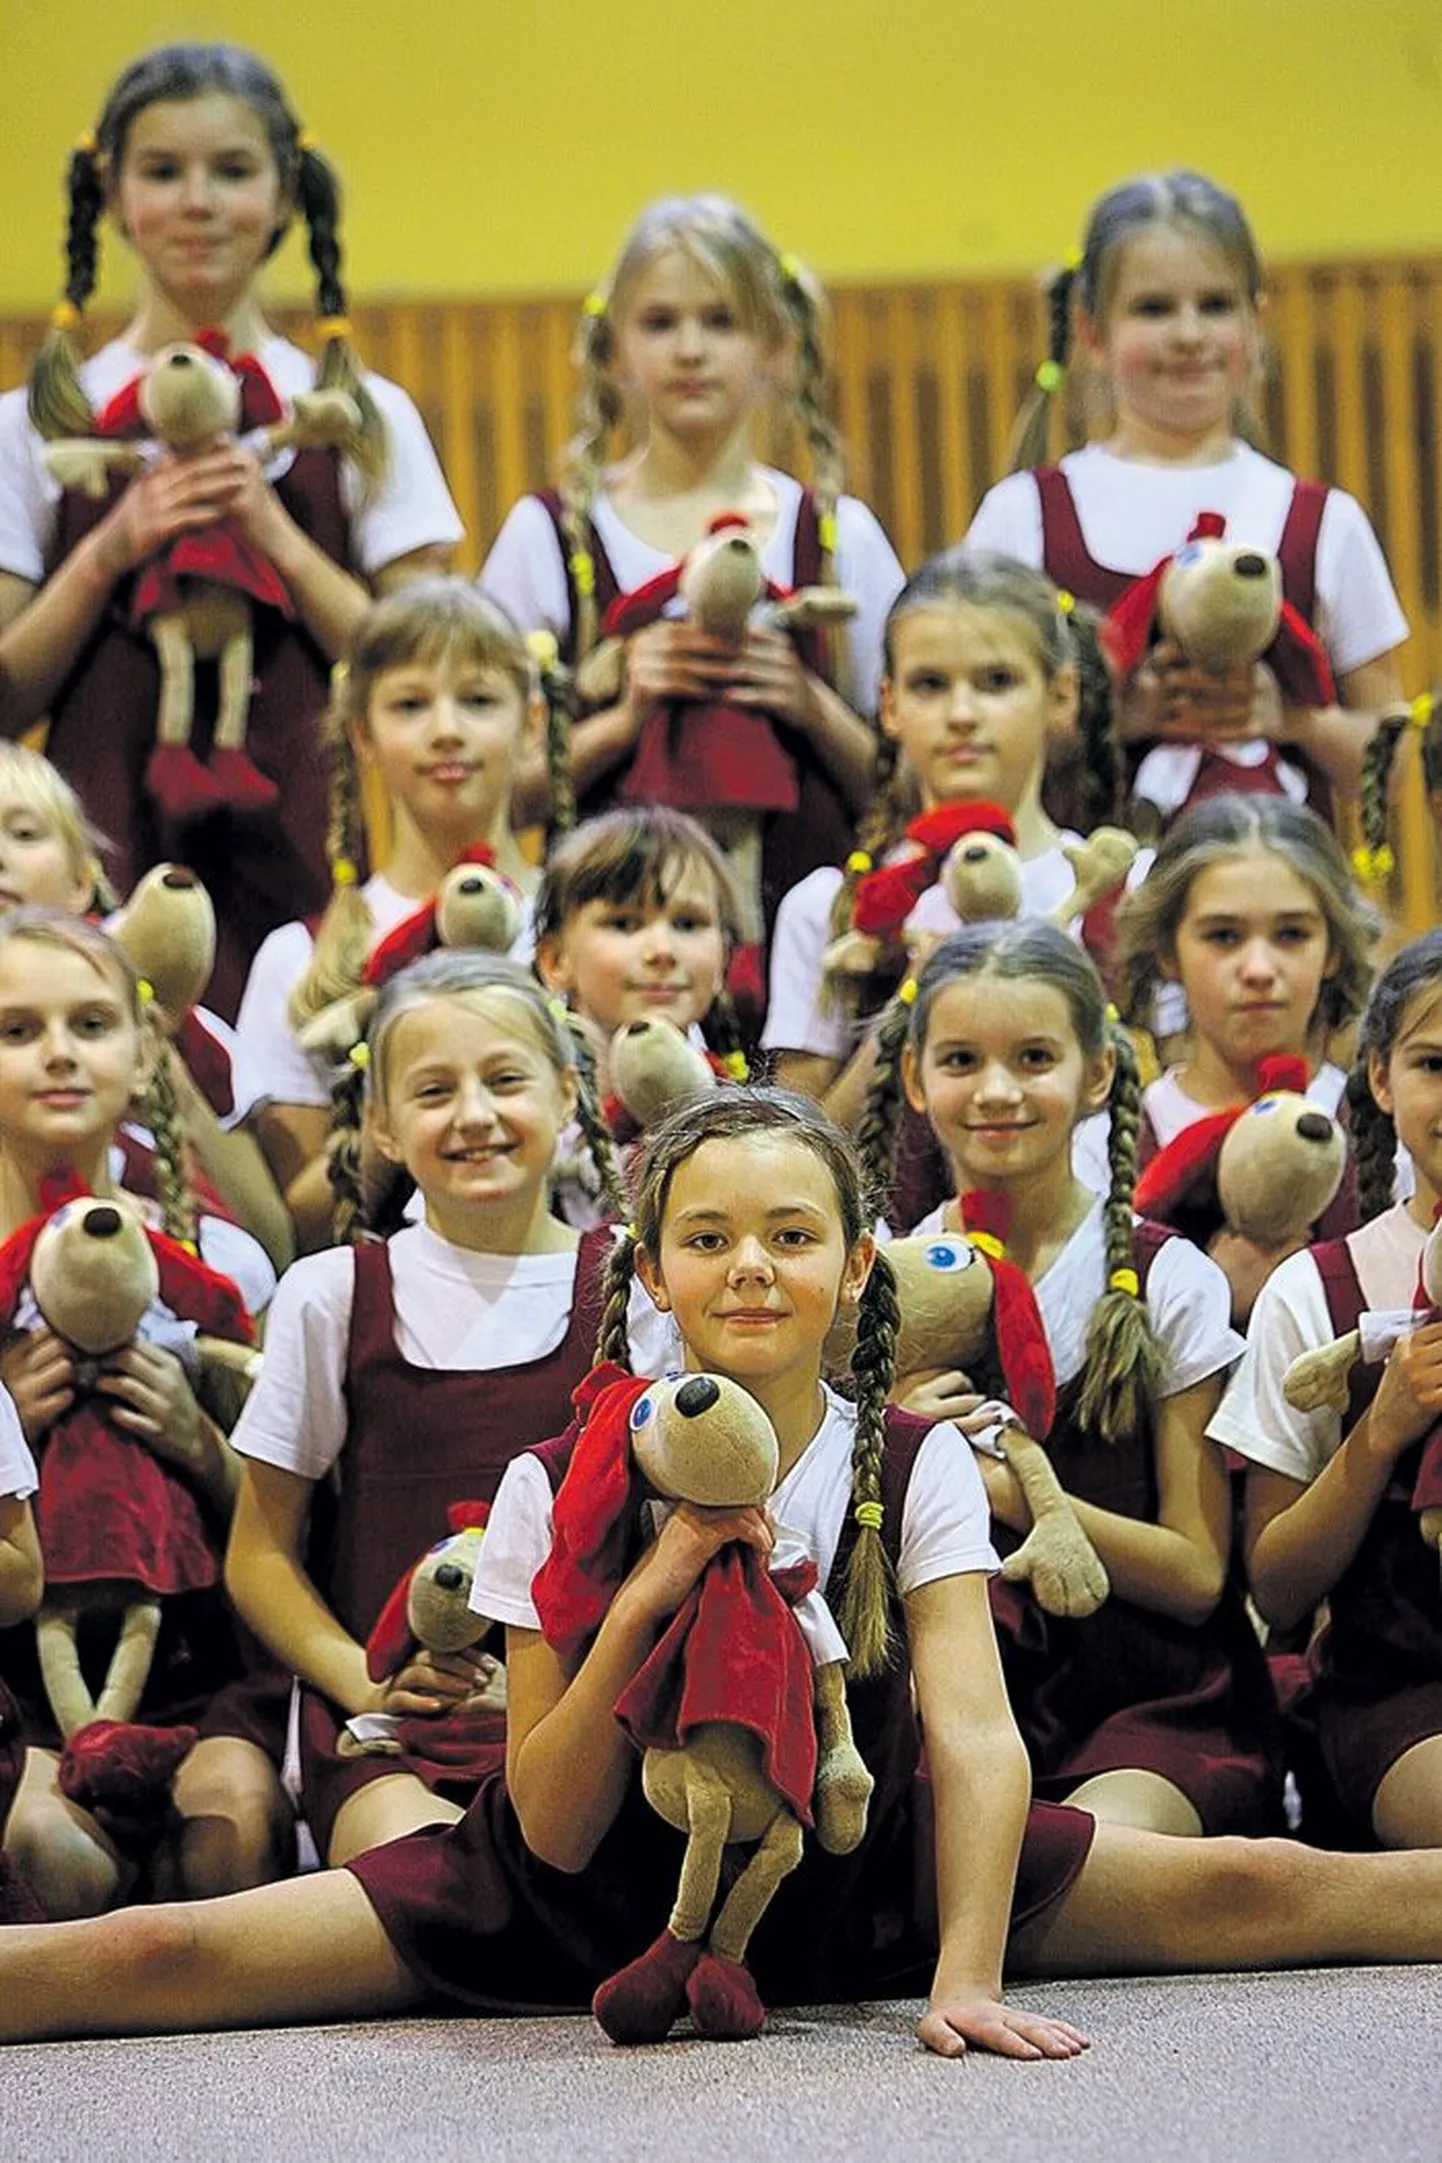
pixel 417 934
pixel 941 828
pixel 886 897
pixel 1175 1170
pixel 464 1516
pixel 1282 1070
pixel 1021 1340
pixel 390 1639
pixel 591 1520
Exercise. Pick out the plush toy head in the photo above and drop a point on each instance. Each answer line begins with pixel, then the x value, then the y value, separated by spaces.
pixel 944 1291
pixel 701 1438
pixel 654 1067
pixel 167 932
pixel 981 878
pixel 722 579
pixel 187 397
pixel 431 1605
pixel 478 906
pixel 1221 602
pixel 94 1274
pixel 1279 1168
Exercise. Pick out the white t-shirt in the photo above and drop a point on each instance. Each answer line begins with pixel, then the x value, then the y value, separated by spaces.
pixel 1132 515
pixel 1171 1111
pixel 1188 1300
pixel 945 1529
pixel 411 509
pixel 526 574
pixel 1290 1317
pixel 269 1066
pixel 18 1476
pixel 456 1311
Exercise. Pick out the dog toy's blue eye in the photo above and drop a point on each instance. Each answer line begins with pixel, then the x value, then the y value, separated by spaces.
pixel 641 1411
pixel 1189 552
pixel 947 1254
pixel 1265 1104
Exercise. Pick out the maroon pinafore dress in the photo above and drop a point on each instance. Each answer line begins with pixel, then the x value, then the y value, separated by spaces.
pixel 1129 1687
pixel 476 1917
pixel 418 1439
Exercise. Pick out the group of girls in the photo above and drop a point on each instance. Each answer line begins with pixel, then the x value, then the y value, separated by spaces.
pixel 504 1858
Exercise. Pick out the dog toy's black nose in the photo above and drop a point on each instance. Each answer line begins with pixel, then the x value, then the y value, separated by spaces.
pixel 1249 565
pixel 1314 1127
pixel 176 879
pixel 103 1223
pixel 973 853
pixel 697 1395
pixel 448 1577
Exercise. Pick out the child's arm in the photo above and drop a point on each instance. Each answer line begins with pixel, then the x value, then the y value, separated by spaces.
pixel 981 1786
pixel 22 1574
pixel 234 1162
pixel 1299 1538
pixel 292 1139
pixel 267 1580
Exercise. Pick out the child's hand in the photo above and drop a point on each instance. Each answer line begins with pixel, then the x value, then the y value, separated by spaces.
pixel 681 1550
pixel 947 1394
pixel 172 497
pixel 987 2024
pixel 151 1397
pixel 771 676
pixel 1409 1395
pixel 255 506
pixel 39 1372
pixel 671 659
pixel 1170 700
pixel 432 1683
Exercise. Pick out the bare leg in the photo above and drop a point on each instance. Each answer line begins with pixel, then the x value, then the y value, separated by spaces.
pixel 311 1949
pixel 59 1850
pixel 1407 1807
pixel 385 1810
pixel 1147 1904
pixel 1145 1800
pixel 237 1829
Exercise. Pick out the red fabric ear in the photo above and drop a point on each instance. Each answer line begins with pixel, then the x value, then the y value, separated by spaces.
pixel 390 1639
pixel 1021 1339
pixel 198 1293
pixel 1281 1070
pixel 461 1516
pixel 15 1264
pixel 940 829
pixel 591 1519
pixel 633 611
pixel 1299 661
pixel 417 934
pixel 120 415
pixel 1175 1170
pixel 1126 630
pixel 886 897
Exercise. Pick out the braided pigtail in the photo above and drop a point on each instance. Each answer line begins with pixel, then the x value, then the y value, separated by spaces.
pixel 614 1341
pixel 162 1116
pixel 1122 1370
pixel 599 412
pixel 876 1133
pixel 1094 710
pixel 1374 1145
pixel 556 685
pixel 806 311
pixel 343 935
pixel 593 1127
pixel 58 405
pixel 343 1150
pixel 318 194
pixel 878 830
pixel 1373 861
pixel 721 1027
pixel 866 1603
pixel 1030 437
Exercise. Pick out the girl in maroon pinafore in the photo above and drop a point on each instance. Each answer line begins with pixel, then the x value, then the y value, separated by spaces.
pixel 1157 1708
pixel 402 1375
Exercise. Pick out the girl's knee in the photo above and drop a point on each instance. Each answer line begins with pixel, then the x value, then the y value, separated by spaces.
pixel 68 1865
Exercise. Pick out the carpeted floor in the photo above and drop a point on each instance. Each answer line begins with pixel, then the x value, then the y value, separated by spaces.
pixel 1338 2067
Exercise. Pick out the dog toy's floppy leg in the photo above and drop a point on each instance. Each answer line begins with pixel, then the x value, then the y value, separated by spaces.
pixel 721 1994
pixel 843 1784
pixel 1066 1572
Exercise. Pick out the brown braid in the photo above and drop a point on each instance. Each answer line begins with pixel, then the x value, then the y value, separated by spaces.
pixel 806 308
pixel 881 826
pixel 879 1125
pixel 867 1600
pixel 614 1340
pixel 599 412
pixel 344 933
pixel 58 405
pixel 557 687
pixel 597 1134
pixel 1122 1371
pixel 1374 1146
pixel 1102 767
pixel 721 1027
pixel 318 195
pixel 1373 861
pixel 1030 437
pixel 1404 997
pixel 343 1151
pixel 162 1116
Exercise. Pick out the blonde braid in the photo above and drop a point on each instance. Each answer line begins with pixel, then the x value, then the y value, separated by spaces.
pixel 599 1139
pixel 614 1340
pixel 866 1602
pixel 1373 861
pixel 876 1132
pixel 162 1116
pixel 806 309
pixel 343 935
pixel 1122 1371
pixel 599 412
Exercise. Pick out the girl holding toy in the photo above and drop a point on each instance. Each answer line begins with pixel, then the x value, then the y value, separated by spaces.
pixel 1157 1709
pixel 699 325
pixel 75 1049
pixel 200 164
pixel 1165 307
pixel 408 1371
pixel 439 699
pixel 751 1228
pixel 1329 1513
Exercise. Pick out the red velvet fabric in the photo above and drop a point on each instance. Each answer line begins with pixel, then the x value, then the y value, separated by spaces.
pixel 593 1521
pixel 887 896
pixel 1021 1338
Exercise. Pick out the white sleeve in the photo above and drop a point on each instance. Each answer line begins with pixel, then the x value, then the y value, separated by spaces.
pixel 295 1417
pixel 517 1542
pixel 1190 1303
pixel 524 571
pixel 18 1477
pixel 413 507
pixel 28 496
pixel 1358 614
pixel 866 566
pixel 795 1019
pixel 269 1066
pixel 237 1254
pixel 1254 1417
pixel 1008 520
pixel 946 1526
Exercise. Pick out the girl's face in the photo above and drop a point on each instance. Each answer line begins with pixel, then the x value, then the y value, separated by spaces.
pixel 444 737
pixel 70 1052
pixel 474 1109
pixel 1004 1081
pixel 199 199
pixel 970 704
pixel 1178 342
pixel 1251 953
pixel 1408 1086
pixel 37 861
pixel 621 961
pixel 753 1262
pixel 682 352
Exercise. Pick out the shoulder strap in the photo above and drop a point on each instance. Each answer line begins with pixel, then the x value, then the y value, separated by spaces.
pixel 1341 1286
pixel 608 588
pixel 1297 549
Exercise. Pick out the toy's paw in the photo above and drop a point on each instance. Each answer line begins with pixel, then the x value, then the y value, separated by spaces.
pixel 843 1791
pixel 241 785
pixel 79 465
pixel 643 2002
pixel 1317 1379
pixel 723 2001
pixel 184 789
pixel 1067 1574
pixel 121 1773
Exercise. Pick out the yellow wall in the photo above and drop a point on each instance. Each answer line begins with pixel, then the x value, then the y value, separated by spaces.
pixel 492 148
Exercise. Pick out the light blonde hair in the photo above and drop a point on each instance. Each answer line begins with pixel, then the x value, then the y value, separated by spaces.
pixel 29 778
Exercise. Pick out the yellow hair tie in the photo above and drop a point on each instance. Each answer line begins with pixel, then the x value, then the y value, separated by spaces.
pixel 629 1232
pixel 1422 709
pixel 1073 259
pixel 826 532
pixel 343 872
pixel 1373 865
pixel 558 1010
pixel 583 571
pixel 86 144
pixel 330 329
pixel 191 1246
pixel 859 862
pixel 595 304
pixel 1125 1280
pixel 1065 601
pixel 737 1066
pixel 908 991
pixel 65 316
pixel 543 650
pixel 1112 1014
pixel 144 990
pixel 1050 376
pixel 869 1515
pixel 359 1056
pixel 988 1244
pixel 791 268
